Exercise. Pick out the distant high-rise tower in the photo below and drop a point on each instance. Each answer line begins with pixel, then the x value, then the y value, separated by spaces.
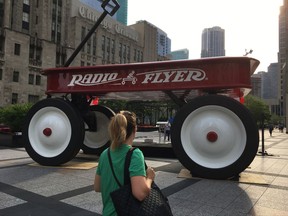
pixel 121 15
pixel 213 42
pixel 180 54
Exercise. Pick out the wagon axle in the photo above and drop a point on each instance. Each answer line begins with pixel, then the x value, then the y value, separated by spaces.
pixel 47 132
pixel 212 136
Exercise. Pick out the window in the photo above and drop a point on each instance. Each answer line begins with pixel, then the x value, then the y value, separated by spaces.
pixel 17 48
pixel 33 98
pixel 89 44
pixel 38 53
pixel 25 17
pixel 26 2
pixel 1 73
pixel 1 42
pixel 38 80
pixel 94 45
pixel 31 79
pixel 83 33
pixel 14 98
pixel 15 76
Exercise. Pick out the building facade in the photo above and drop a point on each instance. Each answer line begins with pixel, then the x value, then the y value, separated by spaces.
pixel 213 42
pixel 163 43
pixel 39 34
pixel 180 54
pixel 270 88
pixel 122 13
pixel 283 59
pixel 256 85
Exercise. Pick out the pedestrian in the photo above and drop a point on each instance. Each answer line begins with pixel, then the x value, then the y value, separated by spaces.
pixel 271 128
pixel 167 131
pixel 281 127
pixel 122 130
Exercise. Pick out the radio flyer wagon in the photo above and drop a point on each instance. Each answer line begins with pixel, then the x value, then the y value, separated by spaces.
pixel 213 134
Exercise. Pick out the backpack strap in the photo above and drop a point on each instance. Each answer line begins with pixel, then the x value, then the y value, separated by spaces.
pixel 126 166
pixel 111 165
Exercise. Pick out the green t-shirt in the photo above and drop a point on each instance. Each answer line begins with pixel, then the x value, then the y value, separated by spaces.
pixel 108 183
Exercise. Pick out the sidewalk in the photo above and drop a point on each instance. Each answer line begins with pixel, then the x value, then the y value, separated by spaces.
pixel 35 190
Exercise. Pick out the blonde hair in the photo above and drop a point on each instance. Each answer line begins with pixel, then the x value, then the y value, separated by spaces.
pixel 121 127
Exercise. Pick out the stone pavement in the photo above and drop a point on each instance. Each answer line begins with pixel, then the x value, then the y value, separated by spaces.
pixel 27 189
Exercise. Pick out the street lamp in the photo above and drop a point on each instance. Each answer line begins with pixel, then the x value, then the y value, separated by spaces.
pixel 110 7
pixel 248 52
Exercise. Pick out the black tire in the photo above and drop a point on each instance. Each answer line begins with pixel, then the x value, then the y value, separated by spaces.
pixel 97 142
pixel 53 132
pixel 215 137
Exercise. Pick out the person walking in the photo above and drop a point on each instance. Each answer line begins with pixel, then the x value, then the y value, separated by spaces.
pixel 167 131
pixel 271 128
pixel 122 130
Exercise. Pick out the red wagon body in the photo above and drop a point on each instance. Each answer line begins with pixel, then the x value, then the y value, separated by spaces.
pixel 149 81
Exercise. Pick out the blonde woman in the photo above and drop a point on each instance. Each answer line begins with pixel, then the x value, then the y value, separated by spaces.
pixel 122 130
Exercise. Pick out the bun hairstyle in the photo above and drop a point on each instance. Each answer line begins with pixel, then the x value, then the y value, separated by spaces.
pixel 121 126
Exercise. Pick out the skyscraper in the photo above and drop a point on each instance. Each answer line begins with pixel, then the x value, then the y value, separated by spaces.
pixel 121 15
pixel 180 54
pixel 213 42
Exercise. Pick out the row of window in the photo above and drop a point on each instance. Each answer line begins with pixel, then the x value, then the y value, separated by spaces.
pixel 108 51
pixel 32 78
pixel 31 98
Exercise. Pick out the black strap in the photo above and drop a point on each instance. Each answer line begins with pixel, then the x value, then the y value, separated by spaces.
pixel 126 166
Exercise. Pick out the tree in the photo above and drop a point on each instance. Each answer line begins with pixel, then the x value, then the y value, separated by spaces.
pixel 258 108
pixel 13 115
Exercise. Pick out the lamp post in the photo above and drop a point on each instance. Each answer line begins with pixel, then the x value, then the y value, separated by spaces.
pixel 248 52
pixel 110 7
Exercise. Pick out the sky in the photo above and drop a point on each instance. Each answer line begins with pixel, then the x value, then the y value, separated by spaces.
pixel 248 24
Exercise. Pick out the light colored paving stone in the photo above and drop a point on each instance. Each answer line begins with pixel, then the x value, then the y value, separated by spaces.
pixel 90 201
pixel 263 211
pixel 274 199
pixel 7 201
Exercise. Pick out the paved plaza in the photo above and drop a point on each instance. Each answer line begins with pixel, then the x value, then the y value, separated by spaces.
pixel 29 189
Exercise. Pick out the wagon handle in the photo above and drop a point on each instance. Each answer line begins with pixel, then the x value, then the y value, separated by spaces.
pixel 107 10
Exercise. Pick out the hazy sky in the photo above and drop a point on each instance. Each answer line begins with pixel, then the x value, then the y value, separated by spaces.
pixel 248 24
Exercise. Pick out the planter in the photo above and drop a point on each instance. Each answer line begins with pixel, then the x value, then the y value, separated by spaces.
pixel 11 139
pixel 147 128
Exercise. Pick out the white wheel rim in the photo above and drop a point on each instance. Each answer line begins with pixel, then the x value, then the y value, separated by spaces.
pixel 49 132
pixel 213 136
pixel 100 137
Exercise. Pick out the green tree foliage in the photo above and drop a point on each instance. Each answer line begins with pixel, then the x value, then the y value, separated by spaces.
pixel 258 108
pixel 115 105
pixel 14 115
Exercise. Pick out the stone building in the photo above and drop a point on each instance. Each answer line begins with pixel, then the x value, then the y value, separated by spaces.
pixel 39 34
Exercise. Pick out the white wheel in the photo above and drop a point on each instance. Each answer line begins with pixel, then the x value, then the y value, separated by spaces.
pixel 207 134
pixel 53 132
pixel 96 142
pixel 214 136
pixel 48 128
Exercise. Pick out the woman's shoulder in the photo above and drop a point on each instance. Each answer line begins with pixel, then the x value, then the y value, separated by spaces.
pixel 137 153
pixel 104 154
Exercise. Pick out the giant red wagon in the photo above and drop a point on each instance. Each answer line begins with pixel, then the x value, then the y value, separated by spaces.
pixel 213 134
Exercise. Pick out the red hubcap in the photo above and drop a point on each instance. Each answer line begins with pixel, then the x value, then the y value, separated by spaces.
pixel 47 131
pixel 212 136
